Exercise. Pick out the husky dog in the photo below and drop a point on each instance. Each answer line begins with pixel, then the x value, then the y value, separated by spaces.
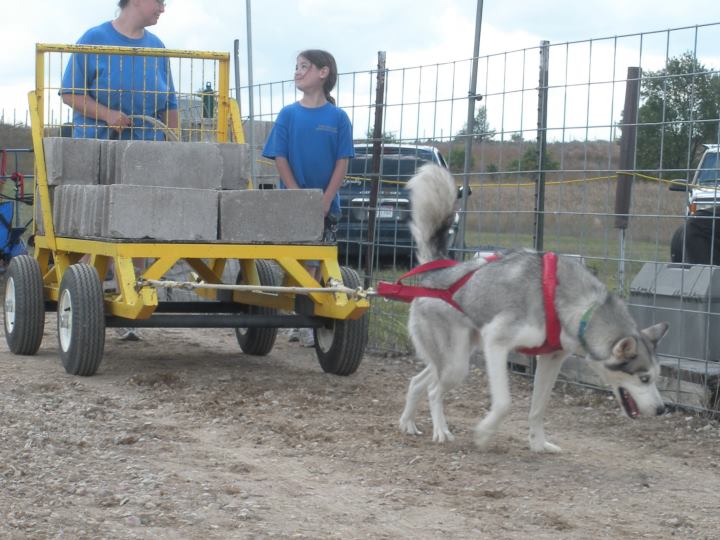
pixel 500 308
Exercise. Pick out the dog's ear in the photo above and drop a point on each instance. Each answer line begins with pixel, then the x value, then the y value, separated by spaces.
pixel 625 348
pixel 656 332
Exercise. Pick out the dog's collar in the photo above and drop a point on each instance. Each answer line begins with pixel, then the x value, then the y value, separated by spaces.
pixel 582 327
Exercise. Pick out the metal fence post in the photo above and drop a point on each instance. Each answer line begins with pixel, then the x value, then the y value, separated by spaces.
pixel 623 191
pixel 472 98
pixel 539 225
pixel 251 90
pixel 377 140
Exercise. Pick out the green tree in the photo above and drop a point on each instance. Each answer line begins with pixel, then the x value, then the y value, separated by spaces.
pixel 679 112
pixel 387 137
pixel 481 130
pixel 529 161
pixel 456 159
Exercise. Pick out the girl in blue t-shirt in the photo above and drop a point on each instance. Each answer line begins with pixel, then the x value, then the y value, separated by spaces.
pixel 105 90
pixel 311 143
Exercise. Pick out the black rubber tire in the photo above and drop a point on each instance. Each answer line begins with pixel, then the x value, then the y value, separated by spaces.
pixel 24 307
pixel 81 320
pixel 677 245
pixel 259 341
pixel 340 344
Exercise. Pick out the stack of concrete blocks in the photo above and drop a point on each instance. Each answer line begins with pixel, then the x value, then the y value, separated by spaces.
pixel 171 192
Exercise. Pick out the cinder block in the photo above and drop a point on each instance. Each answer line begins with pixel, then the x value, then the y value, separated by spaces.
pixel 109 150
pixel 71 161
pixel 236 165
pixel 265 172
pixel 168 164
pixel 38 218
pixel 160 213
pixel 75 210
pixel 276 216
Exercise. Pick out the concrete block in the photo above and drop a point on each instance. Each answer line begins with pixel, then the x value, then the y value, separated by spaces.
pixel 235 164
pixel 71 161
pixel 169 164
pixel 277 216
pixel 256 134
pixel 76 210
pixel 38 219
pixel 160 213
pixel 109 150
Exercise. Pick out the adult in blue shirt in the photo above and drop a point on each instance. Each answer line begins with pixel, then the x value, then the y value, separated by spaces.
pixel 104 91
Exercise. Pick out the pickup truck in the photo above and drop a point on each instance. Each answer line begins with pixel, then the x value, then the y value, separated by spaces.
pixel 693 241
pixel 392 230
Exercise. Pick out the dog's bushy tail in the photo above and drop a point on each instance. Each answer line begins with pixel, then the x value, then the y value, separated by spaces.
pixel 433 194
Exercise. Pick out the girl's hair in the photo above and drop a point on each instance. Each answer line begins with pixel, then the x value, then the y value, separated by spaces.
pixel 321 59
pixel 123 3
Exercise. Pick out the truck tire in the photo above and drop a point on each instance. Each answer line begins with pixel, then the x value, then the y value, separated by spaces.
pixel 340 344
pixel 677 245
pixel 259 341
pixel 24 307
pixel 81 320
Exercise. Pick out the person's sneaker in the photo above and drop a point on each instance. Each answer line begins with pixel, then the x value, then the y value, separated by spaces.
pixel 129 334
pixel 306 337
pixel 294 335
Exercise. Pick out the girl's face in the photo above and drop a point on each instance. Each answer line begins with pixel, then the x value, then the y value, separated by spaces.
pixel 308 76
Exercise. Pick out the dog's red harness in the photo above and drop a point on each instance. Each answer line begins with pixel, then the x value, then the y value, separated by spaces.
pixel 407 293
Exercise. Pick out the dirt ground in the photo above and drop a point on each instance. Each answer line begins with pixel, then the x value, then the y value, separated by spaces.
pixel 182 436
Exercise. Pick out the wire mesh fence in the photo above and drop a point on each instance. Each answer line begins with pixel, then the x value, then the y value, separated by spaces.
pixel 560 161
pixel 600 148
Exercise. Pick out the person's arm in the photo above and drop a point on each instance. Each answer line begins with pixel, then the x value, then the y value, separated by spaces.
pixel 336 180
pixel 285 172
pixel 90 108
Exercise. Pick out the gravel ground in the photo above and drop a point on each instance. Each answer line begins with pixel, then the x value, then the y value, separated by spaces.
pixel 182 436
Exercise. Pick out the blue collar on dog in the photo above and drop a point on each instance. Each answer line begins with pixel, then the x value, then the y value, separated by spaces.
pixel 584 321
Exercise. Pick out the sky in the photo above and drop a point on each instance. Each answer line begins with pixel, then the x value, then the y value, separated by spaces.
pixel 411 32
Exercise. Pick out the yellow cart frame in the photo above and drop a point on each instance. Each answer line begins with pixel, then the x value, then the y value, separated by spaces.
pixel 135 299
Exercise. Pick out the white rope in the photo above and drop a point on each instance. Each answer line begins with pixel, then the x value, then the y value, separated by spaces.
pixel 334 287
pixel 170 134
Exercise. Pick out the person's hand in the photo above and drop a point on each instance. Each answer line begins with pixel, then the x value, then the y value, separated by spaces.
pixel 327 203
pixel 118 121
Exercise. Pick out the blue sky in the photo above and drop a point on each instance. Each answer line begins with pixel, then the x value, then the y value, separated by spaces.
pixel 412 32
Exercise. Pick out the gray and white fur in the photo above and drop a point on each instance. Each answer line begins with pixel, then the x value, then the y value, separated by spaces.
pixel 502 311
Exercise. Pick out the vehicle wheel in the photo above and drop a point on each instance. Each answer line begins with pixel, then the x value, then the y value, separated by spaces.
pixel 340 344
pixel 81 320
pixel 259 341
pixel 24 306
pixel 677 244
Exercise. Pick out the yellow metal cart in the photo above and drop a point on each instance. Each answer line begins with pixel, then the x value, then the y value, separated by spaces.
pixel 272 289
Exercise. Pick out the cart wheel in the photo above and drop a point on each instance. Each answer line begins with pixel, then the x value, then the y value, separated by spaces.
pixel 340 344
pixel 81 320
pixel 24 306
pixel 259 341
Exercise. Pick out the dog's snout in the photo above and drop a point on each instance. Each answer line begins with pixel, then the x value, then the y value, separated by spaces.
pixel 660 410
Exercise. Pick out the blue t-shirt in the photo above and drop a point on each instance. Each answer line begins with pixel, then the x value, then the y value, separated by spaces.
pixel 135 85
pixel 312 140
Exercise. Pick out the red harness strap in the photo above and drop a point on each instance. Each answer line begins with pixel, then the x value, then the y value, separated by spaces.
pixel 552 322
pixel 407 293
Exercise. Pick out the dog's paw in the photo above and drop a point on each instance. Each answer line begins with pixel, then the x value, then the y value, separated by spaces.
pixel 482 437
pixel 545 447
pixel 442 435
pixel 409 427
